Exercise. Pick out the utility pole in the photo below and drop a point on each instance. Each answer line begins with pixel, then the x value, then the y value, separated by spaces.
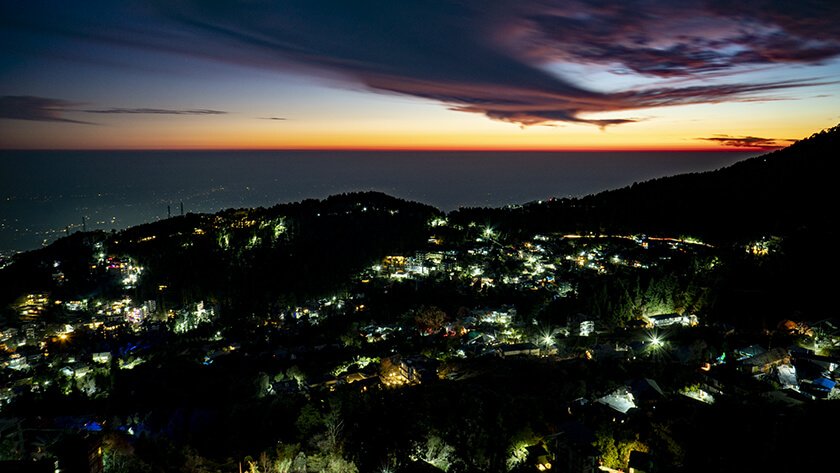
pixel 182 209
pixel 168 211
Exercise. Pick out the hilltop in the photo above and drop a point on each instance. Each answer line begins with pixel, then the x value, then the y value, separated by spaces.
pixel 775 193
pixel 237 255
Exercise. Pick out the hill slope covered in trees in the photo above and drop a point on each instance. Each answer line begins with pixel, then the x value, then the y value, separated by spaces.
pixel 777 193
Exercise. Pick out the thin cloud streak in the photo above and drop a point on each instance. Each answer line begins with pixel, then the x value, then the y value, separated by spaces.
pixel 155 111
pixel 39 109
pixel 45 109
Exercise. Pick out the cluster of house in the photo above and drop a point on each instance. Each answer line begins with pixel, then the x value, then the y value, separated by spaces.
pixel 537 264
pixel 799 373
pixel 790 375
pixel 26 364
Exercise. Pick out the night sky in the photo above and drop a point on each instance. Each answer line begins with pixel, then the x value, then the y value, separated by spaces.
pixel 522 74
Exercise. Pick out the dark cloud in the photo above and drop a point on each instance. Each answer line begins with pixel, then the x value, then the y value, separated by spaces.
pixel 155 111
pixel 40 109
pixel 748 141
pixel 676 39
pixel 273 118
pixel 492 58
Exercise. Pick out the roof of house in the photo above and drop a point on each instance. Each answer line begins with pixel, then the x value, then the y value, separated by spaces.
pixel 621 400
pixel 749 352
pixel 664 316
pixel 772 356
pixel 646 388
pixel 824 383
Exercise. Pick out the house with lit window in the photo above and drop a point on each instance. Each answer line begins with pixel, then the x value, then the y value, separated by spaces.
pixel 670 320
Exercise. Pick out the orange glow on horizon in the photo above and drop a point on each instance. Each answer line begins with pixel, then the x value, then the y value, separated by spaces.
pixel 534 149
pixel 473 134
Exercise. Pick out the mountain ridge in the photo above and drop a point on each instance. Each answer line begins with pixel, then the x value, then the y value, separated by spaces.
pixel 774 193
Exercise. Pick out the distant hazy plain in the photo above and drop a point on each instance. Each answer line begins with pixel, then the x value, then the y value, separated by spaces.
pixel 44 192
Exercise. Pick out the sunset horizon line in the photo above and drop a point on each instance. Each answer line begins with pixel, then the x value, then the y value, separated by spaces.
pixel 730 149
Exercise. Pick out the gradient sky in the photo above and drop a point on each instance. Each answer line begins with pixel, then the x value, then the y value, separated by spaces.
pixel 469 74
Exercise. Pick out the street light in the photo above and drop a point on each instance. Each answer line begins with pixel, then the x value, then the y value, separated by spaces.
pixel 546 337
